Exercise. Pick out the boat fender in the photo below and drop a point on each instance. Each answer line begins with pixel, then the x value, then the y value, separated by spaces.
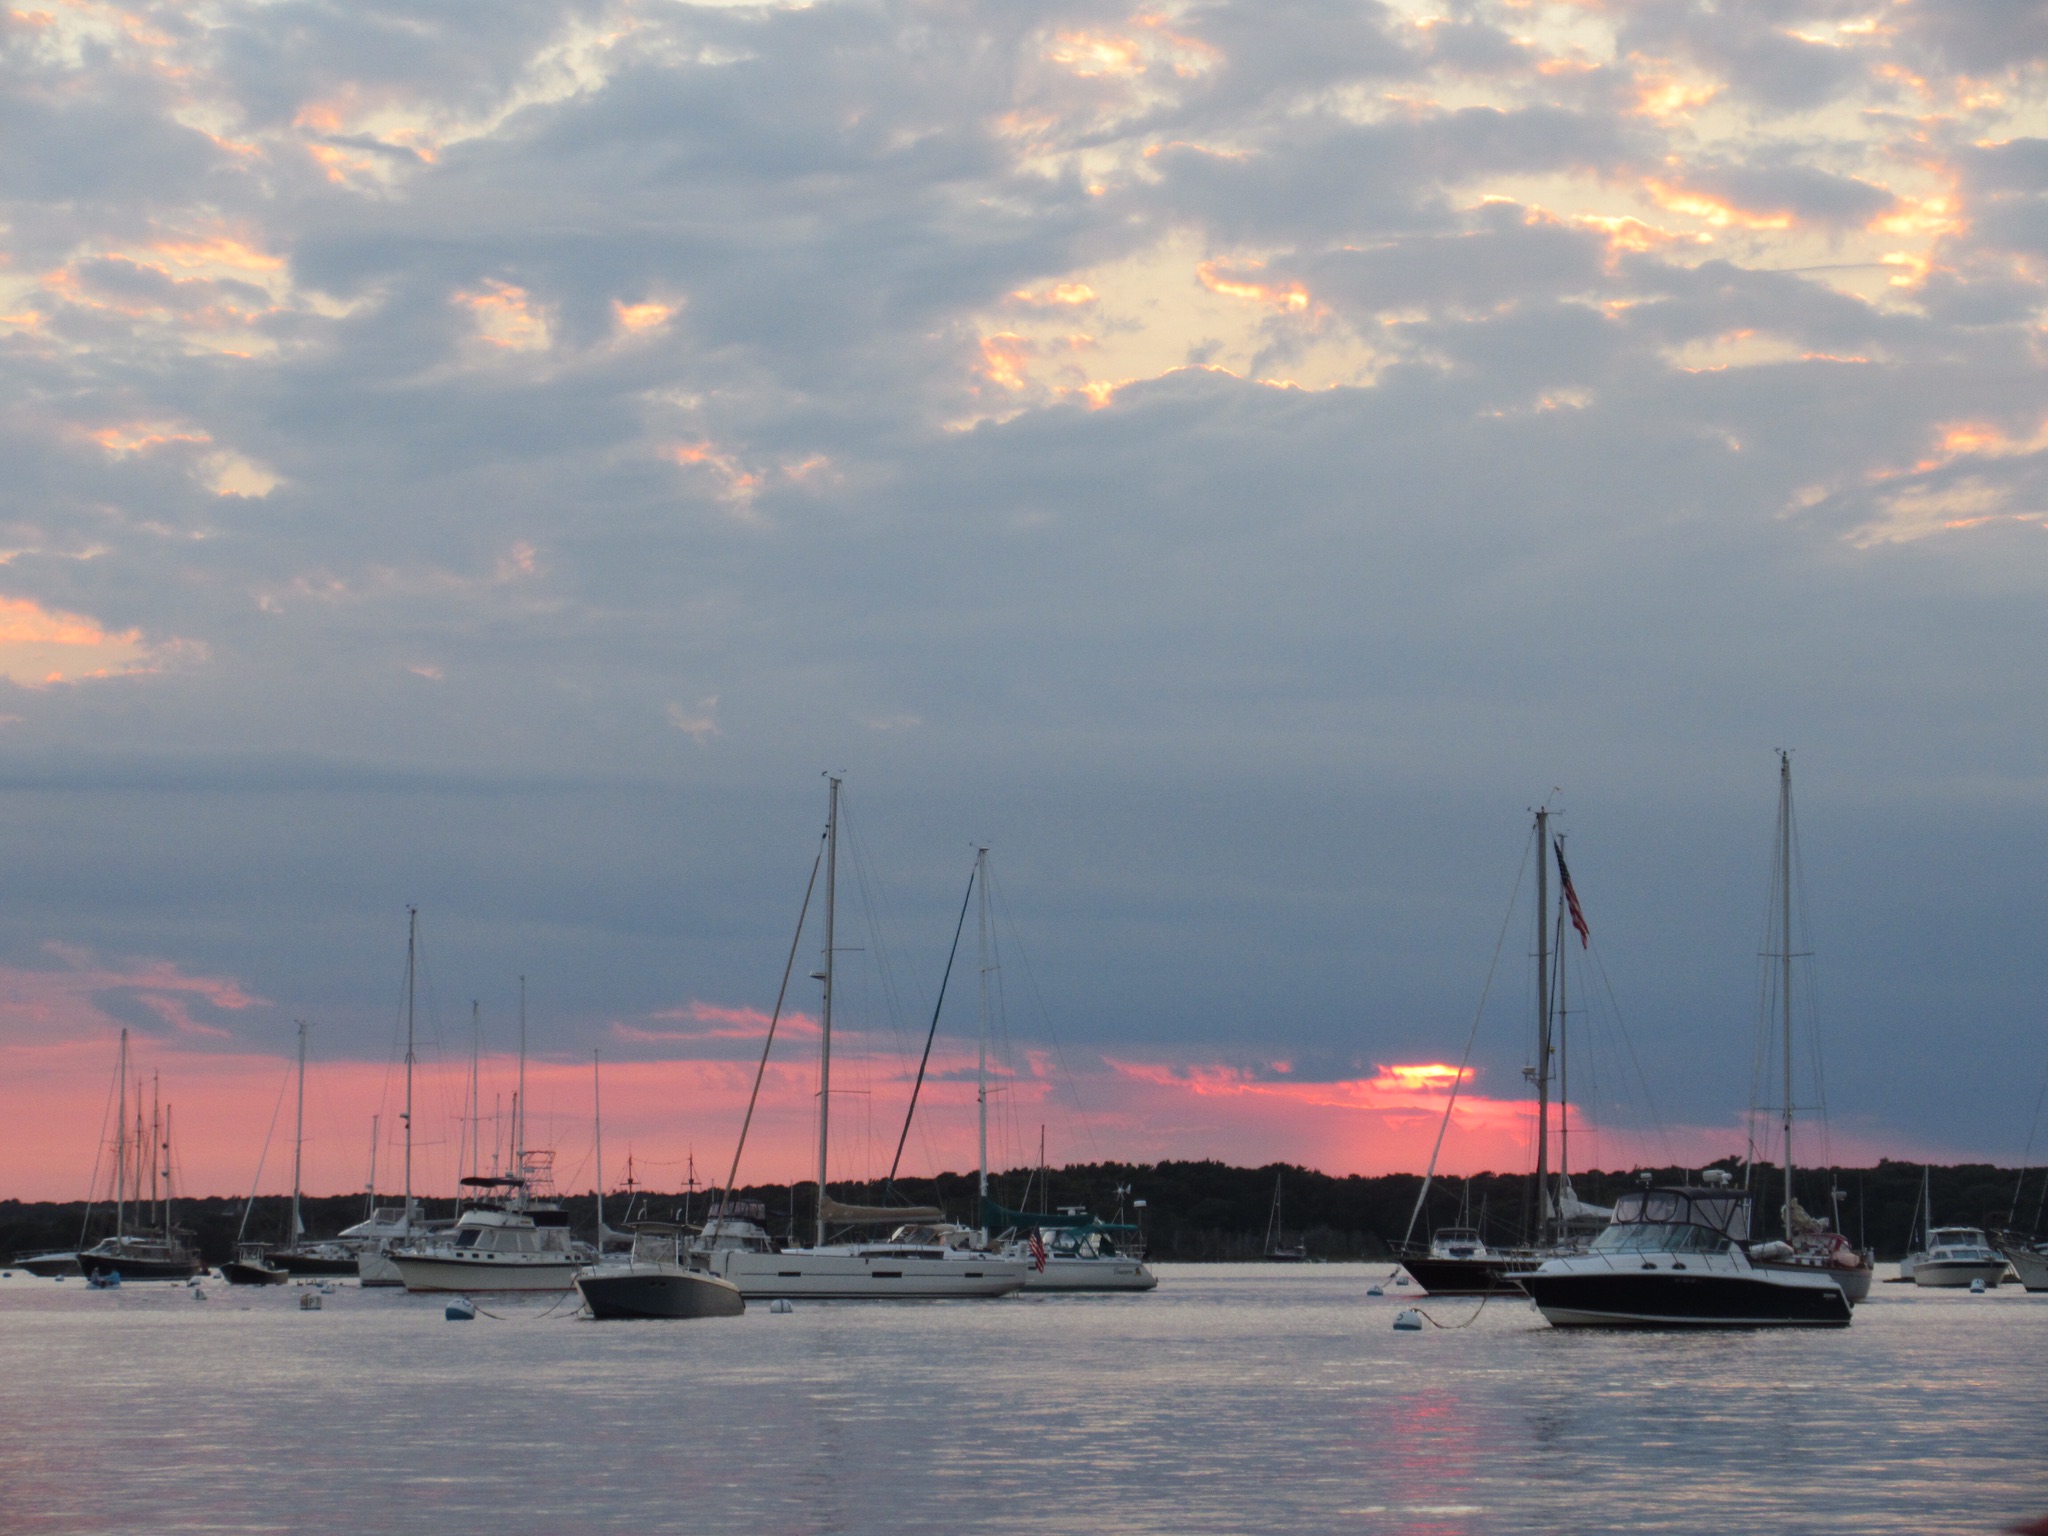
pixel 782 1304
pixel 1408 1320
pixel 1768 1251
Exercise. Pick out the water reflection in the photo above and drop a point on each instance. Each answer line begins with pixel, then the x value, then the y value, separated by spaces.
pixel 1233 1399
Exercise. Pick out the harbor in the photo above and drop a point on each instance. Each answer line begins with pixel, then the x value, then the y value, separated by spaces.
pixel 1234 1398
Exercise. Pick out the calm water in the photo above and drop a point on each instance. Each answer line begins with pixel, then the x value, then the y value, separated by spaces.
pixel 1233 1399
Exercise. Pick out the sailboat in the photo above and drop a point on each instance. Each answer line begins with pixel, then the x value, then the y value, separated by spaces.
pixel 1807 1243
pixel 390 1228
pixel 161 1253
pixel 1458 1261
pixel 1277 1250
pixel 919 1258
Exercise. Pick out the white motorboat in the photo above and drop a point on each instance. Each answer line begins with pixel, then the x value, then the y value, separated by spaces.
pixel 516 1245
pixel 1080 1259
pixel 1677 1258
pixel 1953 1258
pixel 388 1228
pixel 2029 1260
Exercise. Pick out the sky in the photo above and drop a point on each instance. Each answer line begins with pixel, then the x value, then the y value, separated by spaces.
pixel 1232 460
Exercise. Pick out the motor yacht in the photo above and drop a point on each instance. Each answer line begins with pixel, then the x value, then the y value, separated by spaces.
pixel 1953 1258
pixel 510 1244
pixel 1677 1257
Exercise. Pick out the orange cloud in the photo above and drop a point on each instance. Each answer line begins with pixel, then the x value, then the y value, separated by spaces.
pixel 1227 279
pixel 1713 210
pixel 648 315
pixel 505 316
pixel 41 646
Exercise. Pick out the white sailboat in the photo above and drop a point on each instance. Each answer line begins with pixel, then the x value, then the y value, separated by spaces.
pixel 917 1260
pixel 389 1228
pixel 1807 1243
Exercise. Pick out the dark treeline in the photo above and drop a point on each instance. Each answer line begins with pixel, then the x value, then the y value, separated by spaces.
pixel 1192 1210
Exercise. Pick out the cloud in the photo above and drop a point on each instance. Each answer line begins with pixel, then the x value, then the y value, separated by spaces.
pixel 1231 458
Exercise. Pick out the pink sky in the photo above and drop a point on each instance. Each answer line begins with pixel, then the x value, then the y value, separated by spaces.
pixel 59 1044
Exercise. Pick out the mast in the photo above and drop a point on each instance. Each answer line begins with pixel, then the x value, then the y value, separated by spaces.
pixel 1564 1103
pixel 298 1141
pixel 121 1149
pixel 597 1131
pixel 412 936
pixel 1785 957
pixel 1542 1027
pixel 476 1103
pixel 167 1173
pixel 981 1064
pixel 370 1203
pixel 519 1098
pixel 825 1011
pixel 156 1129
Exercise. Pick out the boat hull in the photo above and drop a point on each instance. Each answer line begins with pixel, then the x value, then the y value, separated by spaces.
pixel 807 1275
pixel 2031 1266
pixel 1598 1294
pixel 657 1291
pixel 377 1269
pixel 1499 1275
pixel 1855 1283
pixel 437 1273
pixel 1090 1275
pixel 315 1264
pixel 236 1272
pixel 131 1268
pixel 49 1265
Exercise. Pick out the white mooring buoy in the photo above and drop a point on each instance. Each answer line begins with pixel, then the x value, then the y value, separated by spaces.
pixel 1408 1320
pixel 309 1301
pixel 461 1310
pixel 782 1304
pixel 1977 1287
pixel 1373 1290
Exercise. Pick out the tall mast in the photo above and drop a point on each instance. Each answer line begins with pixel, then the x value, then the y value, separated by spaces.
pixel 597 1131
pixel 1564 1098
pixel 298 1141
pixel 1542 1026
pixel 825 1010
pixel 476 1103
pixel 167 1173
pixel 1785 957
pixel 519 1098
pixel 156 1130
pixel 412 937
pixel 370 1204
pixel 981 1068
pixel 121 1148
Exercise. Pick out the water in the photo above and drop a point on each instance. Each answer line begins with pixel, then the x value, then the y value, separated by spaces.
pixel 1233 1399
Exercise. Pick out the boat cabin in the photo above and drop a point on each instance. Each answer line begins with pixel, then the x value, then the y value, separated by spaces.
pixel 485 1230
pixel 1681 1219
pixel 1457 1243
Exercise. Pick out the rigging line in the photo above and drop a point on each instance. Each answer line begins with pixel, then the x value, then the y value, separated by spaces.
pixel 2033 1126
pixel 1002 901
pixel 725 1192
pixel 257 1183
pixel 100 1151
pixel 932 1033
pixel 1628 1044
pixel 1477 1014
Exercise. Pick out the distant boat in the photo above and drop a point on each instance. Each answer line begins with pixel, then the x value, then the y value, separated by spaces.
pixel 297 1256
pixel 514 1242
pixel 919 1259
pixel 159 1254
pixel 654 1282
pixel 1277 1249
pixel 251 1266
pixel 1675 1257
pixel 2029 1259
pixel 63 1262
pixel 1948 1258
pixel 389 1228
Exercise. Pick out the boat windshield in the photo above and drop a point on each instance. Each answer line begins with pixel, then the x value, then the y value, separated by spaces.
pixel 1659 1237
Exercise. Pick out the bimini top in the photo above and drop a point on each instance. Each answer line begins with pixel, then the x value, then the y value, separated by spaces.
pixel 1720 1210
pixel 1000 1218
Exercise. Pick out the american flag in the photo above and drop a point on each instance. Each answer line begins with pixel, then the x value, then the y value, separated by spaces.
pixel 1038 1253
pixel 1571 898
